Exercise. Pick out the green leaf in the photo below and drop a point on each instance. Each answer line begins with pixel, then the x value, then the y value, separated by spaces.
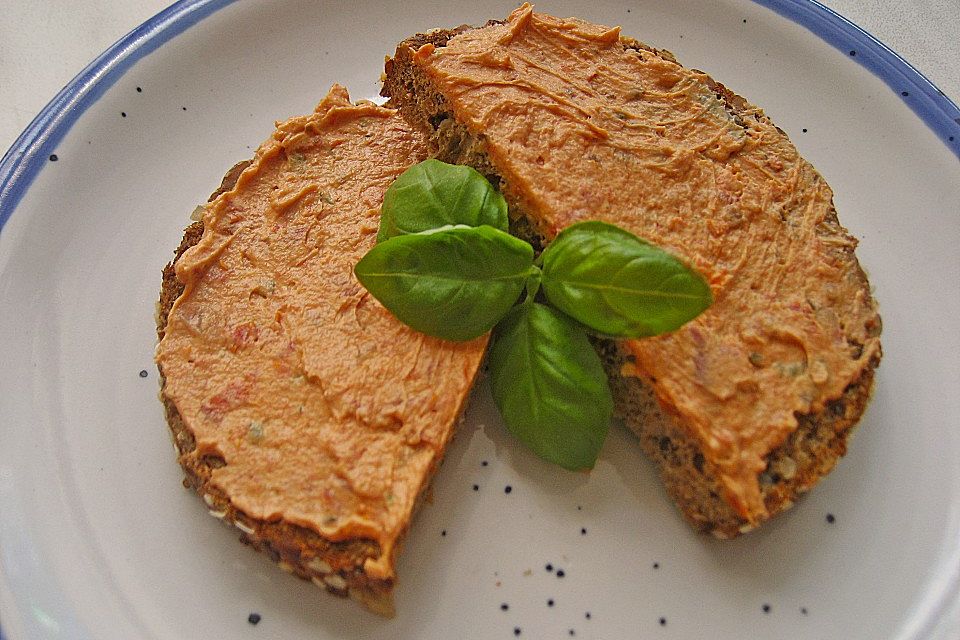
pixel 550 386
pixel 453 283
pixel 434 194
pixel 619 285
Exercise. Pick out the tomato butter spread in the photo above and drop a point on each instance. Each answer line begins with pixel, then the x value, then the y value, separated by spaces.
pixel 582 124
pixel 327 411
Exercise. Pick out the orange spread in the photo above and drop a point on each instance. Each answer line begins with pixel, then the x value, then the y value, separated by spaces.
pixel 583 128
pixel 328 411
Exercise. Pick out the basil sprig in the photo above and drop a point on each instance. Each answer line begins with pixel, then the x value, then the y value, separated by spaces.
pixel 445 266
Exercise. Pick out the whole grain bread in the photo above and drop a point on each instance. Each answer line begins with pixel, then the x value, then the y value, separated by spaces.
pixel 303 413
pixel 792 468
pixel 334 566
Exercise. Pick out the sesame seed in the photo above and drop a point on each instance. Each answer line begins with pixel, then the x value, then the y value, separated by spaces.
pixel 550 602
pixel 587 615
pixel 184 108
pixel 139 89
pixel 766 608
pixel 516 631
pixel 507 489
pixel 830 518
pixel 320 566
pixel 253 618
pixel 53 157
pixel 549 567
pixel 656 565
pixel 852 52
pixel 123 114
pixel 484 463
pixel 335 581
pixel 443 533
pixel 560 573
pixel 804 130
pixel 504 606
pixel 476 487
pixel 583 531
pixel 143 373
pixel 663 622
pixel 905 93
pixel 239 525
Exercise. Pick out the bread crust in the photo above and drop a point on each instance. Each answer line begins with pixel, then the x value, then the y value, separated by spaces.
pixel 807 455
pixel 337 567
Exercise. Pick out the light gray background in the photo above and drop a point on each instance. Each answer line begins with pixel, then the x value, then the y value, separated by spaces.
pixel 43 44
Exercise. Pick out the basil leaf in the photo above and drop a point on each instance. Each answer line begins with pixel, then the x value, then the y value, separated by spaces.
pixel 619 285
pixel 434 194
pixel 454 283
pixel 550 386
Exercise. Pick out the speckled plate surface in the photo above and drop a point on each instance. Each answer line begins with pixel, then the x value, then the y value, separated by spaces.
pixel 98 539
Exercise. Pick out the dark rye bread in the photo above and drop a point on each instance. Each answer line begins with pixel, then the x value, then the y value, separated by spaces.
pixel 792 468
pixel 334 566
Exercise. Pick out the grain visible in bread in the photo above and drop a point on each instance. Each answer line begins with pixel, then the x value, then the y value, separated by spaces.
pixel 820 437
pixel 313 183
pixel 334 566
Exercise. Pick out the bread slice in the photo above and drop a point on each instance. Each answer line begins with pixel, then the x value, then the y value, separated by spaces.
pixel 751 404
pixel 303 413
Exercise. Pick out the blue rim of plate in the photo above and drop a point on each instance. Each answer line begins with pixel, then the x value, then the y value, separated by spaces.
pixel 30 152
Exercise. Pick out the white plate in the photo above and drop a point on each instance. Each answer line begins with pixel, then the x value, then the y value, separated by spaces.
pixel 99 540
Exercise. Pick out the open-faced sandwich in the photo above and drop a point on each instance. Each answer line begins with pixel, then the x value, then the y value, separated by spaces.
pixel 312 419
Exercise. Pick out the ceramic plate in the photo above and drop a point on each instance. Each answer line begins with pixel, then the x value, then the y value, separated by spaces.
pixel 98 539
